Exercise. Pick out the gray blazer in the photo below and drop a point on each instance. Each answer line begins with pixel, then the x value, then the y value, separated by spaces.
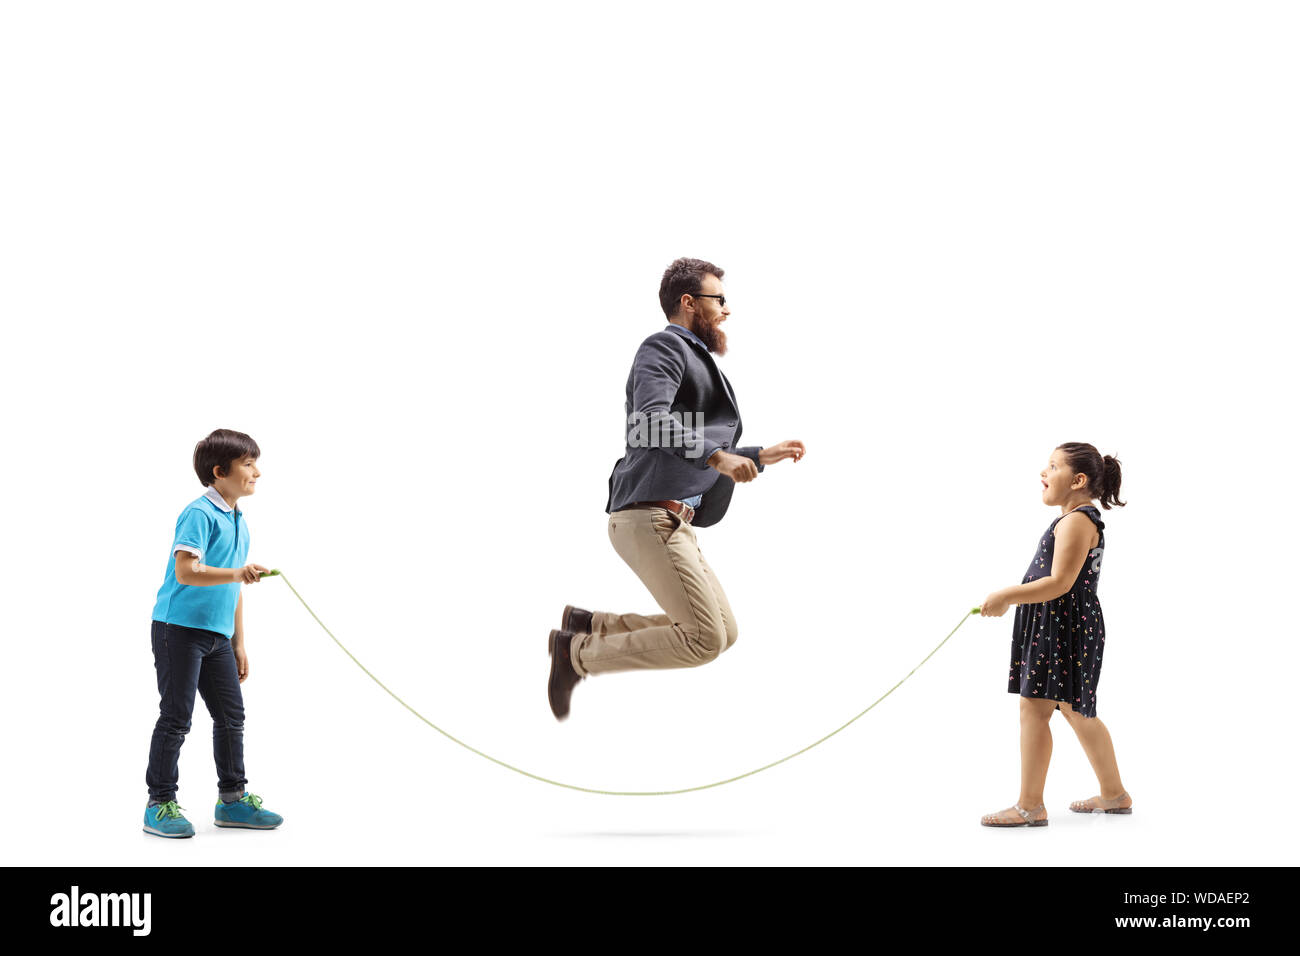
pixel 680 410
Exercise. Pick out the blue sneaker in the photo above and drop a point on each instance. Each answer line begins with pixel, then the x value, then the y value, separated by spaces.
pixel 247 812
pixel 165 820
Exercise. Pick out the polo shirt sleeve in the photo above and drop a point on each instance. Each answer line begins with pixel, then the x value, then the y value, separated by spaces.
pixel 193 532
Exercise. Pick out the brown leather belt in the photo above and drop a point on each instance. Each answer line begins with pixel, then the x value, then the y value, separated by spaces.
pixel 679 508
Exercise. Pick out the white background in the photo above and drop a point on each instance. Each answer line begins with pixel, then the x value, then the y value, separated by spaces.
pixel 411 249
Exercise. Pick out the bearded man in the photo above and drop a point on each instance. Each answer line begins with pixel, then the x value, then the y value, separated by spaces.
pixel 678 472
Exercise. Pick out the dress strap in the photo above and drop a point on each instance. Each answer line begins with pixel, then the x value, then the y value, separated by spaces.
pixel 1090 510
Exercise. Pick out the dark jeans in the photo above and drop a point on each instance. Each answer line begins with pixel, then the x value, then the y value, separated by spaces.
pixel 187 659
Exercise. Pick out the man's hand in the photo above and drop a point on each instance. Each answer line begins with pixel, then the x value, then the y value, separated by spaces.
pixel 241 660
pixel 735 467
pixel 786 449
pixel 251 573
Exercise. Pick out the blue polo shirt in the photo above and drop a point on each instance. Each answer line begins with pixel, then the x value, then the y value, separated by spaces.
pixel 217 535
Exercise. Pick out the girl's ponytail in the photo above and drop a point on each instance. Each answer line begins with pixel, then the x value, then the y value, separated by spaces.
pixel 1103 473
pixel 1110 482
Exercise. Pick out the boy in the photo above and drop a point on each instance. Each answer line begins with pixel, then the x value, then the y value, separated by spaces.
pixel 198 639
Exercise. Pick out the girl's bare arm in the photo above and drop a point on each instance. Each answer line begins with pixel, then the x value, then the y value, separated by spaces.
pixel 1073 541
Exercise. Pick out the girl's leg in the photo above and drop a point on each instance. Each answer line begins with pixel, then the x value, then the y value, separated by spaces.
pixel 1035 754
pixel 1095 739
pixel 1035 749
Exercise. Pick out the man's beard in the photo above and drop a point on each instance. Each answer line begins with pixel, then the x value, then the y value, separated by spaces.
pixel 711 334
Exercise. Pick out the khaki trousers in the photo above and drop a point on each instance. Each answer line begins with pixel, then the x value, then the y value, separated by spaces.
pixel 697 624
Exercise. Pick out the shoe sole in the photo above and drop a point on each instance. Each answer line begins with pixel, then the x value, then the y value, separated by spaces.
pixel 1036 823
pixel 1099 810
pixel 168 836
pixel 245 826
pixel 555 662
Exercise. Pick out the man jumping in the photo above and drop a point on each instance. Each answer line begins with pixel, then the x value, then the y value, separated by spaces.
pixel 678 472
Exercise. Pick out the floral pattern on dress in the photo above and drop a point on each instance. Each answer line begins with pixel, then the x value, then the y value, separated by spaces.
pixel 1056 646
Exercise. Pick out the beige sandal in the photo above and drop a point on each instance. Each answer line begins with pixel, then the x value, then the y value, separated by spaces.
pixel 1099 805
pixel 1027 821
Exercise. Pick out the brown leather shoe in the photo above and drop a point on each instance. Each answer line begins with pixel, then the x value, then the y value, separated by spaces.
pixel 563 677
pixel 575 620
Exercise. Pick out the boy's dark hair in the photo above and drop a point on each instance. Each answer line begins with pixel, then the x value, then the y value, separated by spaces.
pixel 222 449
pixel 1103 473
pixel 683 277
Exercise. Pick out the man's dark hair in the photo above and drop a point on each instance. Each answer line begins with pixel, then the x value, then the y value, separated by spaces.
pixel 222 448
pixel 683 277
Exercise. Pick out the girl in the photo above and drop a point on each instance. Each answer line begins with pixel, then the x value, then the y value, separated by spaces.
pixel 1058 637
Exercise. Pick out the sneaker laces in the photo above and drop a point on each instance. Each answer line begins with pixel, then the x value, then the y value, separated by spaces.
pixel 171 809
pixel 252 799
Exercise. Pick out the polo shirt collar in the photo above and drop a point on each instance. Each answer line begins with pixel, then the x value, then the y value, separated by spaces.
pixel 214 496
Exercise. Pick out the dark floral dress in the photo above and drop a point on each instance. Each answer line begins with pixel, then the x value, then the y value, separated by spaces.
pixel 1056 646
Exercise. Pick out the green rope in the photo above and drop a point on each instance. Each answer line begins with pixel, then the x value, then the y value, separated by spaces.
pixel 612 793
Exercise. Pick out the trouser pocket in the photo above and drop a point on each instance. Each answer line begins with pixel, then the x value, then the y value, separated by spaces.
pixel 664 522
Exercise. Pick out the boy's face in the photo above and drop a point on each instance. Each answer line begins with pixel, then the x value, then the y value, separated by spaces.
pixel 240 479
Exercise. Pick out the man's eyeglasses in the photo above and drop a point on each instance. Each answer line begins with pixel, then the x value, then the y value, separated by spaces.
pixel 722 299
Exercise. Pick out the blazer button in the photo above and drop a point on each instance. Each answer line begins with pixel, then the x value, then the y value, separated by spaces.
pixel 731 424
pixel 726 444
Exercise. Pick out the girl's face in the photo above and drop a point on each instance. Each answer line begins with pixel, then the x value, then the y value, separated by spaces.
pixel 1059 482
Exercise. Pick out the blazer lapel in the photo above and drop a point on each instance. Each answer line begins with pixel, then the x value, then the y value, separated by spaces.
pixel 708 359
pixel 730 394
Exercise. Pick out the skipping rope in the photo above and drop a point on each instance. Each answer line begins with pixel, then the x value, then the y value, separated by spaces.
pixel 610 793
